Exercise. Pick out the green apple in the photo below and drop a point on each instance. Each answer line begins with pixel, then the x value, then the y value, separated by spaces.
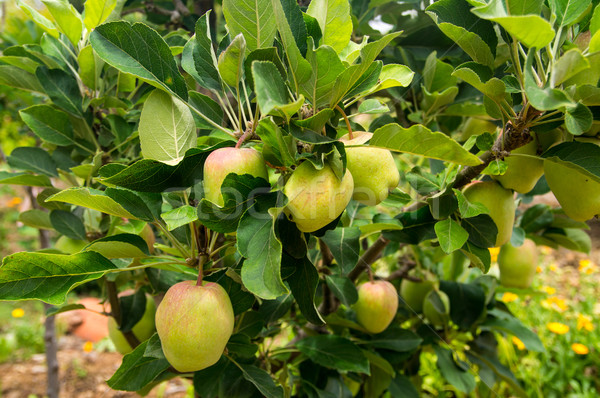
pixel 517 264
pixel 373 169
pixel 499 201
pixel 225 161
pixel 523 172
pixel 316 197
pixel 70 246
pixel 142 330
pixel 436 308
pixel 475 126
pixel 376 306
pixel 577 193
pixel 194 324
pixel 413 293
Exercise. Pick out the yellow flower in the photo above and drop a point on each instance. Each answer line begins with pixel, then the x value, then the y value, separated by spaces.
pixel 549 290
pixel 555 303
pixel 18 313
pixel 546 249
pixel 538 269
pixel 507 297
pixel 88 346
pixel 14 202
pixel 520 345
pixel 580 349
pixel 586 266
pixel 584 322
pixel 586 262
pixel 558 328
pixel 553 267
pixel 494 253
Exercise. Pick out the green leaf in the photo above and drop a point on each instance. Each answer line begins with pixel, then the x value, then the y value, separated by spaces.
pixel 326 67
pixel 32 159
pixel 435 100
pixel 65 308
pixel 295 18
pixel 335 21
pixel 39 19
pixel 179 216
pixel 21 62
pixel 345 247
pixel 393 75
pixel 62 89
pixel 241 346
pixel 252 18
pixel 581 156
pixel 271 93
pixel 13 76
pixel 143 206
pixel 402 387
pixel 263 54
pixel 231 61
pixel 278 149
pixel 67 17
pixel 334 352
pixel 96 12
pixel 531 30
pixel 139 50
pixel 568 11
pixel 417 225
pixel 36 218
pixel 48 277
pixel 467 302
pixel 578 119
pixel 239 194
pixel 262 381
pixel 206 106
pixel 396 339
pixel 120 246
pixel 450 235
pixel 257 242
pixel 419 140
pixel 153 176
pixel 300 68
pixel 373 106
pixel 452 372
pixel 479 256
pixel 475 36
pixel 303 284
pixel 199 59
pixel 137 370
pixel 206 381
pixel 167 128
pixel 68 224
pixel 24 179
pixel 468 209
pixel 503 321
pixel 475 75
pixel 567 66
pixel 90 67
pixel 91 199
pixel 343 288
pixel 482 230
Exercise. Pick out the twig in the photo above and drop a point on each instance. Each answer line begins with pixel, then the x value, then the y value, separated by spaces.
pixel 115 309
pixel 402 272
pixel 329 303
pixel 368 257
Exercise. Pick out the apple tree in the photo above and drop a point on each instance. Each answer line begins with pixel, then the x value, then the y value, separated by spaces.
pixel 309 200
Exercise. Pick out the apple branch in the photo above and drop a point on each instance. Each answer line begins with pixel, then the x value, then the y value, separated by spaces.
pixel 115 309
pixel 368 257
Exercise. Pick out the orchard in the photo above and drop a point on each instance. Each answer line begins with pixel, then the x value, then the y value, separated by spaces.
pixel 299 199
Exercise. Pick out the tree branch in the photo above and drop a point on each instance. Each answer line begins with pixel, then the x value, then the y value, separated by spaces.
pixel 368 257
pixel 115 309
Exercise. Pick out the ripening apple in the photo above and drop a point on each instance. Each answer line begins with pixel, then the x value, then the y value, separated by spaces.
pixel 577 193
pixel 224 161
pixel 373 169
pixel 143 330
pixel 523 172
pixel 518 264
pixel 316 197
pixel 413 293
pixel 376 306
pixel 436 308
pixel 499 201
pixel 194 324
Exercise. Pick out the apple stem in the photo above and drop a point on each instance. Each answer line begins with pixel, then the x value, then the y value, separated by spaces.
pixel 201 261
pixel 370 273
pixel 346 120
pixel 243 138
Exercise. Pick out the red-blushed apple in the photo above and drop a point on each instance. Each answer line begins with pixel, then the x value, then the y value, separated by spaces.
pixel 499 201
pixel 577 193
pixel 221 162
pixel 413 293
pixel 373 169
pixel 194 324
pixel 436 308
pixel 143 330
pixel 518 264
pixel 316 197
pixel 376 306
